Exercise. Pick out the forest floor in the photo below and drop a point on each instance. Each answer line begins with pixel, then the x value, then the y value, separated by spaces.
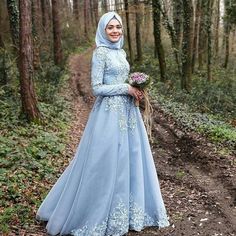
pixel 197 183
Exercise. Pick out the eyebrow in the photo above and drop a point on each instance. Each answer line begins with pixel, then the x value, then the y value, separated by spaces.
pixel 114 25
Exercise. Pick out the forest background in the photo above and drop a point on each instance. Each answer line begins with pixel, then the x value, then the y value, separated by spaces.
pixel 188 47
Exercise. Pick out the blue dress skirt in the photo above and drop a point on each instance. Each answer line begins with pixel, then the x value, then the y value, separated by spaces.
pixel 111 184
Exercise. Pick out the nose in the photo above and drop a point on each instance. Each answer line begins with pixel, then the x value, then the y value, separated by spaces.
pixel 115 29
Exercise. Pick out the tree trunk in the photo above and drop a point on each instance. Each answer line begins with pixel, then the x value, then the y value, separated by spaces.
pixel 58 56
pixel 159 51
pixel 86 20
pixel 105 5
pixel 91 16
pixel 46 15
pixel 95 10
pixel 233 40
pixel 209 39
pixel 28 97
pixel 178 20
pixel 128 31
pixel 202 38
pixel 217 29
pixel 37 31
pixel 3 71
pixel 75 9
pixel 37 17
pixel 196 33
pixel 186 82
pixel 226 32
pixel 171 32
pixel 137 31
pixel 117 5
pixel 13 13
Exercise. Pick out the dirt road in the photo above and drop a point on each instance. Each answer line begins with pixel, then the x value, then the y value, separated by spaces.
pixel 198 185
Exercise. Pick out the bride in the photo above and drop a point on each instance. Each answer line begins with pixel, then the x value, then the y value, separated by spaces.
pixel 111 184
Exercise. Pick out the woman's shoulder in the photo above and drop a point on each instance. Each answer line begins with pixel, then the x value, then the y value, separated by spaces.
pixel 100 52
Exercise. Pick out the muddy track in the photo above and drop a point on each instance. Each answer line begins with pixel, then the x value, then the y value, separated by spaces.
pixel 198 185
pixel 190 161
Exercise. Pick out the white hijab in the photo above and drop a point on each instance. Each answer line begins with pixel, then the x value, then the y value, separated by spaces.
pixel 101 37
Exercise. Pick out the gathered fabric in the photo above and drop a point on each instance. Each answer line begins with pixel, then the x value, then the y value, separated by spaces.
pixel 111 184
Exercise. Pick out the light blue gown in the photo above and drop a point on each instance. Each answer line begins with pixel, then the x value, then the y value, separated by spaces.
pixel 111 184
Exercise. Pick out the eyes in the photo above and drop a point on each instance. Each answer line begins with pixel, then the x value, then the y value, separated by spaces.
pixel 111 27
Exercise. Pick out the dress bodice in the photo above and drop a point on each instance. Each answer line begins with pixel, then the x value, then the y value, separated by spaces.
pixel 109 71
pixel 116 66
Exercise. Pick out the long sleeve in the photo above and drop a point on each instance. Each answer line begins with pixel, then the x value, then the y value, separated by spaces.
pixel 97 76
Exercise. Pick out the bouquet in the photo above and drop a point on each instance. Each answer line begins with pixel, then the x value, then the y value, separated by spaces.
pixel 141 81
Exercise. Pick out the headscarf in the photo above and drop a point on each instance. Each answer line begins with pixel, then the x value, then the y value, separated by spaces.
pixel 101 37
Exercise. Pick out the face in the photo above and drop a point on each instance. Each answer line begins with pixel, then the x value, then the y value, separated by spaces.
pixel 114 30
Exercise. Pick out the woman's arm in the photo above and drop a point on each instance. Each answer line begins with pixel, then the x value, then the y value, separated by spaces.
pixel 97 73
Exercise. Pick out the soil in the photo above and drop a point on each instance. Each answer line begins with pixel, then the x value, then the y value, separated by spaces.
pixel 197 183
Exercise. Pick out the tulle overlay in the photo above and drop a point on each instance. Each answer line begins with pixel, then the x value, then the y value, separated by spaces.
pixel 111 184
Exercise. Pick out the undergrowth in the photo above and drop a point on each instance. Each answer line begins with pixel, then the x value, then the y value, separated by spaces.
pixel 31 155
pixel 209 109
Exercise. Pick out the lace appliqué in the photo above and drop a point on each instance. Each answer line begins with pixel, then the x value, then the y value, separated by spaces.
pixel 100 55
pixel 118 222
pixel 121 220
pixel 139 218
pixel 124 106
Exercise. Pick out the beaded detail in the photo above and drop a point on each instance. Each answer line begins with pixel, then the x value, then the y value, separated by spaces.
pixel 123 106
pixel 123 218
pixel 109 71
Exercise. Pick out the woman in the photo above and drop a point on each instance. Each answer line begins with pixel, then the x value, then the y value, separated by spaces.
pixel 111 185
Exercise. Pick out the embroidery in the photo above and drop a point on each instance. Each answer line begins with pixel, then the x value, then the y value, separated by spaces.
pixel 125 109
pixel 123 218
pixel 118 222
pixel 109 70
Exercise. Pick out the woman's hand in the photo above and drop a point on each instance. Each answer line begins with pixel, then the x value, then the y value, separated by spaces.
pixel 135 92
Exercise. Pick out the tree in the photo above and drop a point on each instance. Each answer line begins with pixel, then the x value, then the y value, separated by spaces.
pixel 196 32
pixel 216 44
pixel 76 9
pixel 13 13
pixel 159 51
pixel 187 45
pixel 178 20
pixel 28 96
pixel 229 21
pixel 95 10
pixel 46 15
pixel 86 19
pixel 202 37
pixel 58 55
pixel 128 31
pixel 209 38
pixel 37 30
pixel 3 71
pixel 137 31
pixel 171 31
pixel 105 5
